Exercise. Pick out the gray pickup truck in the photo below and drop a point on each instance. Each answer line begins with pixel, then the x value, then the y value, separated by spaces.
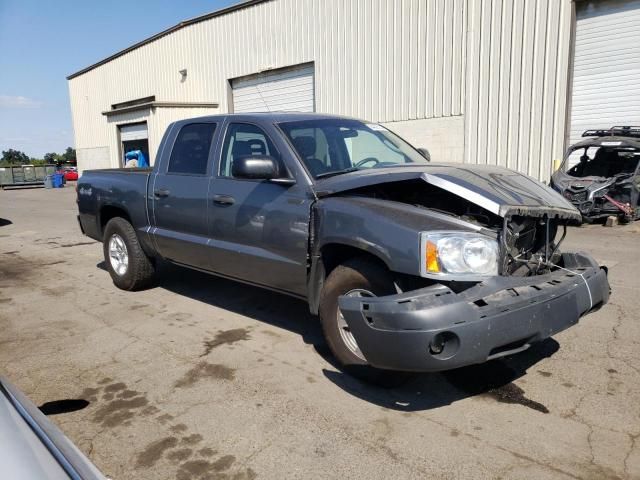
pixel 410 265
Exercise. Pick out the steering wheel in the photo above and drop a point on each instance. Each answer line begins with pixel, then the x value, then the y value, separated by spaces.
pixel 367 160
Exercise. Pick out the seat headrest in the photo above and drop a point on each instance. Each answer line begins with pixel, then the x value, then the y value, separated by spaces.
pixel 241 149
pixel 306 146
pixel 257 147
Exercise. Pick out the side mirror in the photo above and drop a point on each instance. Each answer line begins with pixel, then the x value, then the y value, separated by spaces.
pixel 425 153
pixel 258 167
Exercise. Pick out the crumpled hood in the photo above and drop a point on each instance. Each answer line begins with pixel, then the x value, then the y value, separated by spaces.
pixel 499 190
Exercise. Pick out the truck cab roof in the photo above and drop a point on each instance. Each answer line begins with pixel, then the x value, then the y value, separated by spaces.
pixel 272 117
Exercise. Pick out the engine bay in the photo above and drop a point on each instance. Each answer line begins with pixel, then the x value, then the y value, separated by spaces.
pixel 528 243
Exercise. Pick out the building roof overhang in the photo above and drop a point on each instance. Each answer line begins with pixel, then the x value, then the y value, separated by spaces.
pixel 142 106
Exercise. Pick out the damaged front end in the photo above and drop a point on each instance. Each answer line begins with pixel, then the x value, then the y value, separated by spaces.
pixel 530 245
pixel 451 320
pixel 436 328
pixel 600 177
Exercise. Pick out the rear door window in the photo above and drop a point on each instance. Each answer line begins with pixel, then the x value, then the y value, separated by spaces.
pixel 190 154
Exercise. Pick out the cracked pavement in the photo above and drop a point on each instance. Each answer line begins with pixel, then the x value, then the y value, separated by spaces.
pixel 206 378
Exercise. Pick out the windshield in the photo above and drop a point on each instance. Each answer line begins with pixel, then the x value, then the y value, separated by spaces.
pixel 333 146
pixel 600 161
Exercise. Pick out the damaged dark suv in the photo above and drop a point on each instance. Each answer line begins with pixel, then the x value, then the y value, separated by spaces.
pixel 410 265
pixel 600 175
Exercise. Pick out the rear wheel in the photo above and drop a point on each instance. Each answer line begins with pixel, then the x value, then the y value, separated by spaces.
pixel 128 265
pixel 358 278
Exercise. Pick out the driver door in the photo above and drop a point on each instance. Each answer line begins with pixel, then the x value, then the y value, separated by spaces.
pixel 259 229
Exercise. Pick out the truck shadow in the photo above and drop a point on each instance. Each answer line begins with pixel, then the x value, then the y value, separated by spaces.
pixel 425 391
pixel 263 305
pixel 398 391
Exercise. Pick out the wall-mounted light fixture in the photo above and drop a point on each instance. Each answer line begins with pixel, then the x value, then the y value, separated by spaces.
pixel 183 74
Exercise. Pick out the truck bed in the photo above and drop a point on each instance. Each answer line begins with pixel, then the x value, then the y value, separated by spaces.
pixel 120 170
pixel 114 188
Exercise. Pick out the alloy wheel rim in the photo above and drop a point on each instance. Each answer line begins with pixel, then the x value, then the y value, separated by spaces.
pixel 343 328
pixel 118 255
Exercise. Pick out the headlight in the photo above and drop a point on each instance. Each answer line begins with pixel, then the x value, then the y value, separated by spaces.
pixel 458 254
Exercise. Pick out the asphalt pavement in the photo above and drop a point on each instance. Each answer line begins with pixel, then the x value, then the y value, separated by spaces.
pixel 202 377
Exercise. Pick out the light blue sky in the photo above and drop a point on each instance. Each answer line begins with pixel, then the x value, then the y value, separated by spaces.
pixel 43 41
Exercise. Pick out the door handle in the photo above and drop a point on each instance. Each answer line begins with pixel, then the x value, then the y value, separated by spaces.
pixel 161 193
pixel 224 199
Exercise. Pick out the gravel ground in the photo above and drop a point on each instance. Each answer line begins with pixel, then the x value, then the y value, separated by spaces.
pixel 206 378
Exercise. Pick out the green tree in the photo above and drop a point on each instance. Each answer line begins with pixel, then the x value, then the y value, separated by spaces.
pixel 69 155
pixel 14 157
pixel 50 157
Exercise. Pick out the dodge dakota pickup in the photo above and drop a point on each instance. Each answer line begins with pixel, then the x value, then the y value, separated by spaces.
pixel 410 265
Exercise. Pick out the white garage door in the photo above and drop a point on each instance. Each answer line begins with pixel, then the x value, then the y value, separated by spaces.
pixel 606 75
pixel 136 131
pixel 283 90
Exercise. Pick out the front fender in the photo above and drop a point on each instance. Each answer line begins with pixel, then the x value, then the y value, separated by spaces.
pixel 387 229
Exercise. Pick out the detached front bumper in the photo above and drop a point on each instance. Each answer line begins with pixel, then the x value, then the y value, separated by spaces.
pixel 434 329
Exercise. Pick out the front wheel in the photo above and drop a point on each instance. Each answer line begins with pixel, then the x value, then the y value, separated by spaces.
pixel 128 265
pixel 358 277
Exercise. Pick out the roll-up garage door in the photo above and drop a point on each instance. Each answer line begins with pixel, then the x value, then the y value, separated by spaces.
pixel 281 90
pixel 136 131
pixel 606 72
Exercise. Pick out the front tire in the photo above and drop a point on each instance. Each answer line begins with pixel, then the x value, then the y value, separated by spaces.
pixel 130 268
pixel 357 277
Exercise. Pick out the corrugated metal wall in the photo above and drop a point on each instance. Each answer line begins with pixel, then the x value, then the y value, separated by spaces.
pixel 516 83
pixel 385 60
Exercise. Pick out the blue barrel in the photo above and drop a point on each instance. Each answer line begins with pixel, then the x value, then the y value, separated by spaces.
pixel 58 179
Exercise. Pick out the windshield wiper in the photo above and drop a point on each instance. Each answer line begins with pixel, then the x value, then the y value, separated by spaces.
pixel 337 172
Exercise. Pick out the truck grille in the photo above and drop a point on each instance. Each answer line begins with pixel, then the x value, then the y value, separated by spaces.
pixel 525 244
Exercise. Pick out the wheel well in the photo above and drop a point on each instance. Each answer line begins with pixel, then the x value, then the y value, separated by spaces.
pixel 334 254
pixel 108 212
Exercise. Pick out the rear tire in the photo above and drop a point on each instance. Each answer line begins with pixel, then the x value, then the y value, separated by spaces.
pixel 130 268
pixel 363 277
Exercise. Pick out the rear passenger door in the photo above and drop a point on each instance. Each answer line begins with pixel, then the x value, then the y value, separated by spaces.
pixel 179 190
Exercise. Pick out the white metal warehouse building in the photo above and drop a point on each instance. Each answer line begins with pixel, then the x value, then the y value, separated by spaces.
pixel 506 82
